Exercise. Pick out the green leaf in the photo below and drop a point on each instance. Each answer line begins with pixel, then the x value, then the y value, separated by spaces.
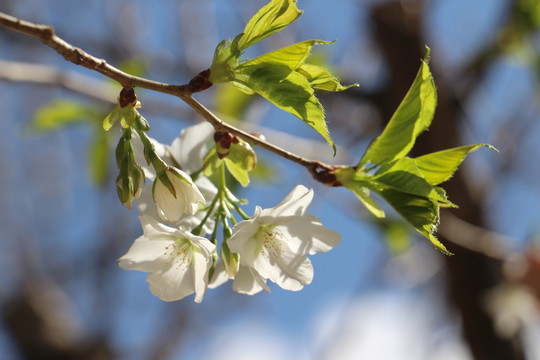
pixel 240 161
pixel 439 166
pixel 225 60
pixel 126 115
pixel 273 17
pixel 210 162
pixel 111 118
pixel 402 186
pixel 412 117
pixel 290 91
pixel 358 185
pixel 321 79
pixel 60 113
pixel 420 212
pixel 363 194
pixel 403 175
pixel 292 56
pixel 98 153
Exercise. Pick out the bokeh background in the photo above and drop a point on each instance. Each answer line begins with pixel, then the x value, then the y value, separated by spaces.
pixel 384 293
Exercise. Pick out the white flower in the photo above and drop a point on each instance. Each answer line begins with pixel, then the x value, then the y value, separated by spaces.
pixel 177 261
pixel 190 148
pixel 244 281
pixel 146 206
pixel 175 194
pixel 273 244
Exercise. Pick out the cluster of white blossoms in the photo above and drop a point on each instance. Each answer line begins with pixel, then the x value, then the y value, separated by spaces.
pixel 178 214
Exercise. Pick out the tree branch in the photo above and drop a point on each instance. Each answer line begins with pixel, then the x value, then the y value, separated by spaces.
pixel 49 75
pixel 320 171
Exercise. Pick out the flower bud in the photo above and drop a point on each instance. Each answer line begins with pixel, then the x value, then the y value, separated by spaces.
pixel 131 176
pixel 175 194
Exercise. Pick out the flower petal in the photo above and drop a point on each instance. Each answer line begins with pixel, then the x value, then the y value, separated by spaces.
pixel 288 270
pixel 172 284
pixel 220 276
pixel 295 203
pixel 154 230
pixel 243 241
pixel 249 282
pixel 145 203
pixel 307 235
pixel 168 206
pixel 172 207
pixel 200 264
pixel 144 255
pixel 190 148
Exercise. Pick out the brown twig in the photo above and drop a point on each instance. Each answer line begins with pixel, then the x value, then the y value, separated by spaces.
pixel 320 171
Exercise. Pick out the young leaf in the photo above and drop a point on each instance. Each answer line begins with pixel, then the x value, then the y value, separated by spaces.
pixel 292 56
pixel 225 60
pixel 439 166
pixel 412 117
pixel 273 17
pixel 420 212
pixel 210 162
pixel 321 79
pixel 111 118
pixel 362 193
pixel 403 175
pixel 290 91
pixel 402 186
pixel 240 161
pixel 126 115
pixel 358 185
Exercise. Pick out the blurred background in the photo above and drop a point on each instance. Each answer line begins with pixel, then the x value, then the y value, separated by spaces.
pixel 384 293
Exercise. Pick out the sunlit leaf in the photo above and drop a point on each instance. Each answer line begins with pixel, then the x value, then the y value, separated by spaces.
pixel 412 117
pixel 402 186
pixel 358 185
pixel 403 175
pixel 240 161
pixel 420 212
pixel 225 60
pixel 111 118
pixel 439 166
pixel 292 56
pixel 290 91
pixel 125 115
pixel 273 17
pixel 321 79
pixel 363 194
pixel 210 163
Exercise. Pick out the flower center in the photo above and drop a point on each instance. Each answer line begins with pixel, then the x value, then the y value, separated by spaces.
pixel 271 239
pixel 178 253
